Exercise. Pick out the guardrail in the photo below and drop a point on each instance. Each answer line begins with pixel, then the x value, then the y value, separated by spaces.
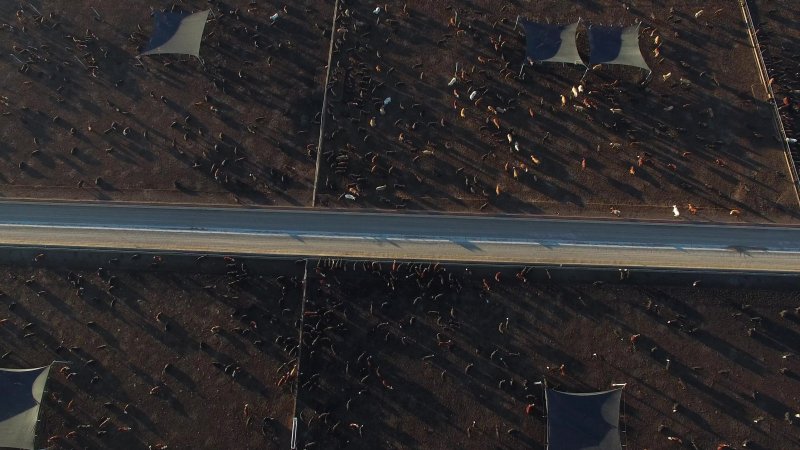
pixel 764 75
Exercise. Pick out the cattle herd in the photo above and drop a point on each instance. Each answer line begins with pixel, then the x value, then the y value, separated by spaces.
pixel 179 352
pixel 428 105
pixel 419 105
pixel 783 65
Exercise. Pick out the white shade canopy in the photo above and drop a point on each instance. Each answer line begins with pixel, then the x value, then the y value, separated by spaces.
pixel 21 393
pixel 552 43
pixel 613 45
pixel 177 33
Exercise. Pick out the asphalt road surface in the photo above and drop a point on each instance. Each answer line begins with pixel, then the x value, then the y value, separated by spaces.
pixel 385 236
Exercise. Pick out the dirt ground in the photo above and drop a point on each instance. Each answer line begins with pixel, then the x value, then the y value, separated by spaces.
pixel 149 366
pixel 779 28
pixel 424 356
pixel 700 137
pixel 697 133
pixel 82 118
pixel 393 355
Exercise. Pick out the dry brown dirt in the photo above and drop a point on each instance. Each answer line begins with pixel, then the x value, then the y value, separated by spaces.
pixel 703 133
pixel 705 141
pixel 426 356
pixel 146 365
pixel 164 128
pixel 392 355
pixel 778 31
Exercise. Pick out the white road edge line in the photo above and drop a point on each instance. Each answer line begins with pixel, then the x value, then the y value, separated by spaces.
pixel 409 239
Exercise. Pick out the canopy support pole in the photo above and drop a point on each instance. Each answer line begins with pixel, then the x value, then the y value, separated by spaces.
pixel 44 396
pixel 543 384
pixel 585 72
pixel 647 78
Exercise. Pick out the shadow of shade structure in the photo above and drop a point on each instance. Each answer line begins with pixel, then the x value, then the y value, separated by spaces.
pixel 21 393
pixel 177 32
pixel 616 45
pixel 583 421
pixel 552 43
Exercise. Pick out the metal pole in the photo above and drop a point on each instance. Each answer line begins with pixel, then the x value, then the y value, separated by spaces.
pixel 44 396
pixel 324 105
pixel 293 444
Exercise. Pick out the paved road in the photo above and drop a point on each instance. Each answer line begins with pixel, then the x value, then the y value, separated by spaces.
pixel 287 232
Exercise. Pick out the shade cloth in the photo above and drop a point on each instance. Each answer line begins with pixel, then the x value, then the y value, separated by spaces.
pixel 587 421
pixel 552 43
pixel 20 397
pixel 177 32
pixel 615 45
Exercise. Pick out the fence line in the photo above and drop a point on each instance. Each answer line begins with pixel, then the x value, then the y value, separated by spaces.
pixel 764 75
pixel 324 105
pixel 304 298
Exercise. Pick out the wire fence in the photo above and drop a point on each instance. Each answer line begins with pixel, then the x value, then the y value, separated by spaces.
pixel 327 87
pixel 324 113
pixel 764 75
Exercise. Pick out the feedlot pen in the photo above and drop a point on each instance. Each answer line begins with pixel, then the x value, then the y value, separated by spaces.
pixel 84 119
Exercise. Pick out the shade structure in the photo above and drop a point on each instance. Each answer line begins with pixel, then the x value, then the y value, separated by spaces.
pixel 552 43
pixel 177 32
pixel 20 397
pixel 616 45
pixel 587 421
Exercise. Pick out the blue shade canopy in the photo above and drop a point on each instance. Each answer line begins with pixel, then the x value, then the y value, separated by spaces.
pixel 583 421
pixel 616 45
pixel 21 393
pixel 552 43
pixel 177 32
